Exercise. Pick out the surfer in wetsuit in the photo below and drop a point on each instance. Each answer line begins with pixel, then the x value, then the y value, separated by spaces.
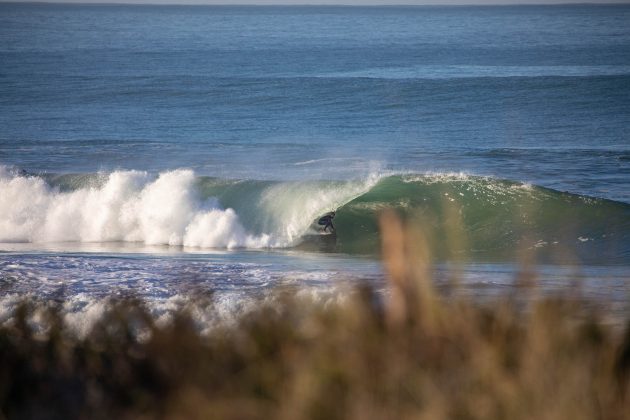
pixel 326 221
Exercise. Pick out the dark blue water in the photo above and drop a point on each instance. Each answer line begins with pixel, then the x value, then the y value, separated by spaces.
pixel 486 104
pixel 536 94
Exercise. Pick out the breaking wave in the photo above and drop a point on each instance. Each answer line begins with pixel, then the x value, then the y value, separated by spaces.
pixel 477 217
pixel 174 208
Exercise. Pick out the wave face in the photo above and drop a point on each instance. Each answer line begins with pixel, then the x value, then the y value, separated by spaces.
pixel 464 216
pixel 485 218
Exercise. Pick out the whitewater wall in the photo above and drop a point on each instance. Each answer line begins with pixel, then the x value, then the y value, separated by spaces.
pixel 173 208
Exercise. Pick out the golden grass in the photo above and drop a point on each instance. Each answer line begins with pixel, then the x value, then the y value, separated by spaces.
pixel 411 355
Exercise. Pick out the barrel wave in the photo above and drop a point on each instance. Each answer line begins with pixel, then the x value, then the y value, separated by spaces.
pixel 480 218
pixel 462 216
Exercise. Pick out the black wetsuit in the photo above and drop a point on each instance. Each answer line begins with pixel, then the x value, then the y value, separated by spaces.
pixel 326 221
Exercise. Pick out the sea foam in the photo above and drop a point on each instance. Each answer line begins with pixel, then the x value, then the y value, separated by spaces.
pixel 128 206
pixel 168 209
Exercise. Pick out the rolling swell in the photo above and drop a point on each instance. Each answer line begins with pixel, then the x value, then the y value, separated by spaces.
pixel 464 217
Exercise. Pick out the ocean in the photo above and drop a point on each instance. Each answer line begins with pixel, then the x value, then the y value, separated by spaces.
pixel 167 151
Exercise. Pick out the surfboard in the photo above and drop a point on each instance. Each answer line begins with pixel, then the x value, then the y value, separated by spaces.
pixel 324 242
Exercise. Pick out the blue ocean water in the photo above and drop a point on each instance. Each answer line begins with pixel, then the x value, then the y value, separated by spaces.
pixel 538 94
pixel 196 128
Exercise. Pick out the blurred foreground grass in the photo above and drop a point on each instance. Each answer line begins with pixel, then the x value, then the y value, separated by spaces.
pixel 409 354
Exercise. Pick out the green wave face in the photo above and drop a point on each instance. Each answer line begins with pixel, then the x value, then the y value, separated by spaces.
pixel 487 219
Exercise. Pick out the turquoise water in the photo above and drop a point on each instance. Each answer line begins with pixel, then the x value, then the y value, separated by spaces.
pixel 216 131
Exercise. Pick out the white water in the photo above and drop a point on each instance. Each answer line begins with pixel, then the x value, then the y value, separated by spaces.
pixel 215 287
pixel 132 206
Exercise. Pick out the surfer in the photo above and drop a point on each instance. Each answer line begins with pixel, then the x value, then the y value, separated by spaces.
pixel 326 221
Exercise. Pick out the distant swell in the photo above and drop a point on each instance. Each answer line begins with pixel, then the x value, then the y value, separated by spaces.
pixel 464 216
pixel 476 71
